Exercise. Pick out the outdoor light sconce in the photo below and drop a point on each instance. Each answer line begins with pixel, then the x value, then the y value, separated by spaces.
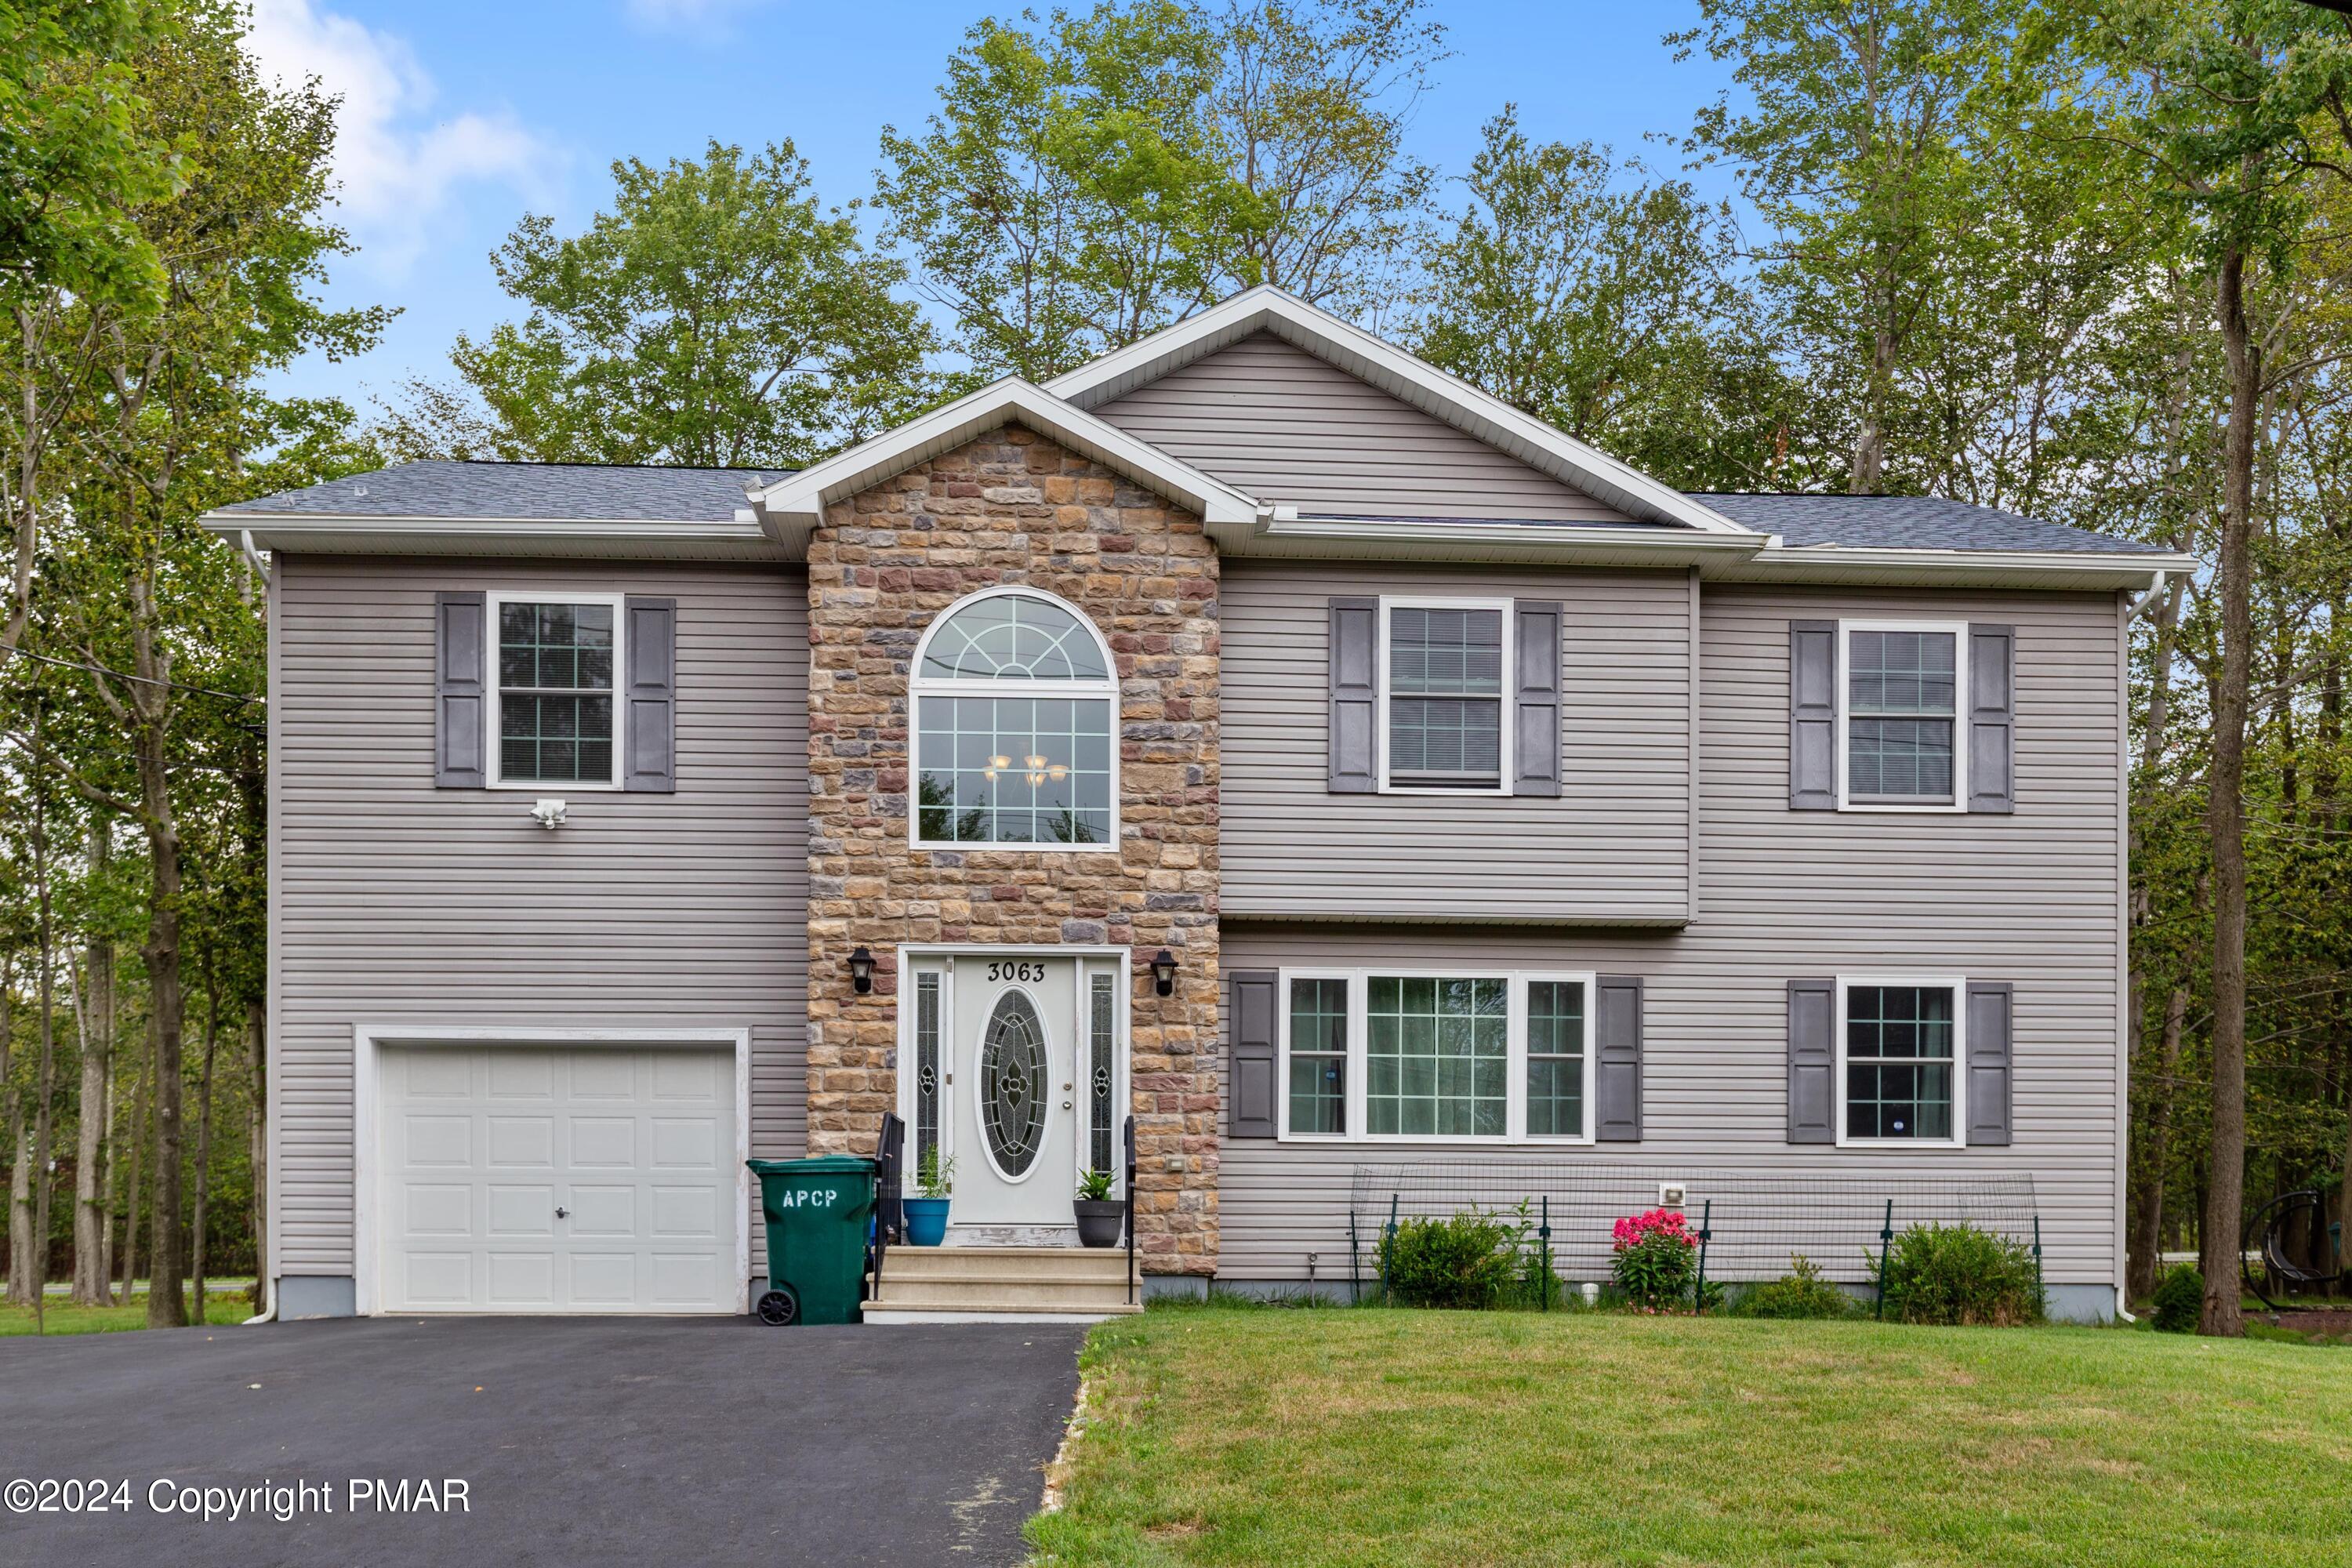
pixel 861 972
pixel 1163 972
pixel 548 813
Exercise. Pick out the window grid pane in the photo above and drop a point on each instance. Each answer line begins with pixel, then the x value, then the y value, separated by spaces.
pixel 926 1066
pixel 1901 694
pixel 555 692
pixel 1103 1031
pixel 1555 1058
pixel 1318 1056
pixel 1445 686
pixel 1014 770
pixel 1014 637
pixel 1437 1056
pixel 1898 1076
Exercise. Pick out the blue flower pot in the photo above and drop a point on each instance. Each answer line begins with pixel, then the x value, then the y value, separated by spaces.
pixel 927 1221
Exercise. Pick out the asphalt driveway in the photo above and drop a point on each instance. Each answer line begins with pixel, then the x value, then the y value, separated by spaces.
pixel 654 1443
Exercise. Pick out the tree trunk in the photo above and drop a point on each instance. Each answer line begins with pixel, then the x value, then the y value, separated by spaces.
pixel 149 702
pixel 2225 812
pixel 2148 1203
pixel 93 1207
pixel 45 1111
pixel 203 1142
pixel 142 1124
pixel 20 1153
pixel 1870 442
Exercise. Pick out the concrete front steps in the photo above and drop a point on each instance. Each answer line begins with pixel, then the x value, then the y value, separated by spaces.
pixel 1003 1284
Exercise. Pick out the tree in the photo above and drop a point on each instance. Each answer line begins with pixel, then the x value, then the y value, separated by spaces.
pixel 2232 105
pixel 1854 151
pixel 1613 311
pixel 716 316
pixel 1069 196
pixel 1310 108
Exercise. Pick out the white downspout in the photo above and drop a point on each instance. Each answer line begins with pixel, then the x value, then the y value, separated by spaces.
pixel 268 1313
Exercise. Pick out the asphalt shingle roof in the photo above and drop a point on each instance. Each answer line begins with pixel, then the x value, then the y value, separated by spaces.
pixel 554 491
pixel 585 491
pixel 1907 523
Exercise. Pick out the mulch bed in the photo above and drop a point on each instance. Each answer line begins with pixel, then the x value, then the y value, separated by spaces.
pixel 2316 1321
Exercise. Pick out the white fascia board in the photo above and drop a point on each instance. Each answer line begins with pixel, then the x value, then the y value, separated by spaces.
pixel 1524 543
pixel 2096 571
pixel 1401 375
pixel 793 506
pixel 742 539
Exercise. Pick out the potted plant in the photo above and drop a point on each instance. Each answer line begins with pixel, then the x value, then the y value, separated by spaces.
pixel 1101 1218
pixel 926 1215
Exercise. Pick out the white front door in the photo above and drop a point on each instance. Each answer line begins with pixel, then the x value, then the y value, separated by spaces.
pixel 553 1179
pixel 1017 1073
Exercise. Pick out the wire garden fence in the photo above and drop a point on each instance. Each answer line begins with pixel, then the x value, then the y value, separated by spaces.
pixel 1750 1226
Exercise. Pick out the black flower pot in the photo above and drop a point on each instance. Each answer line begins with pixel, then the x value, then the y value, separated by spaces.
pixel 1100 1221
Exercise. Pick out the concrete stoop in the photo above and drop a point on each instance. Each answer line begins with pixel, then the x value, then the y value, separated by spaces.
pixel 1003 1284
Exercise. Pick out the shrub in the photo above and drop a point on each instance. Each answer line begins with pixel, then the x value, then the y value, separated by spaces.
pixel 1653 1260
pixel 1469 1261
pixel 1799 1293
pixel 2179 1300
pixel 1959 1274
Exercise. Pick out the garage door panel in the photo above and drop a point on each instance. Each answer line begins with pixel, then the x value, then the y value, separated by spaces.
pixel 481 1145
pixel 523 1142
pixel 686 1143
pixel 522 1280
pixel 520 1210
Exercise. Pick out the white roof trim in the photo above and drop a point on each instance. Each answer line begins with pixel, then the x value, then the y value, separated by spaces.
pixel 742 539
pixel 1400 374
pixel 795 504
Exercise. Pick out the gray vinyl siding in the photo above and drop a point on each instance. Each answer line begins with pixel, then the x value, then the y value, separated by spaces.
pixel 396 900
pixel 1270 418
pixel 2032 898
pixel 1614 849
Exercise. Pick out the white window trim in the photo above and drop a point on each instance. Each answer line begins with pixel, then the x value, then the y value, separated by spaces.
pixel 1359 1054
pixel 493 601
pixel 1958 986
pixel 1958 804
pixel 1507 699
pixel 920 686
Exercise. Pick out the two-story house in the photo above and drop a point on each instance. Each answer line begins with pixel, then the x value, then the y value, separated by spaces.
pixel 1255 732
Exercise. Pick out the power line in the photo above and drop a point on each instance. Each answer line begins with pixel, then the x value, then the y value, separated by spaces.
pixel 139 680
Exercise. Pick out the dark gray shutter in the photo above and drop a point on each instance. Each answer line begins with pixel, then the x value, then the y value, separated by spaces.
pixel 1250 1102
pixel 1355 695
pixel 458 694
pixel 1812 715
pixel 651 697
pixel 1993 718
pixel 1535 639
pixel 1990 1024
pixel 1617 1060
pixel 1812 1061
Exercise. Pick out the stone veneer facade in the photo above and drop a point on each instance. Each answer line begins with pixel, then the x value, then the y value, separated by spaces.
pixel 1013 507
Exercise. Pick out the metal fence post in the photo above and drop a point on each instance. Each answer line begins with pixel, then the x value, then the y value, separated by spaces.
pixel 1543 1232
pixel 1706 1233
pixel 1388 1245
pixel 1355 1261
pixel 2040 1299
pixel 1885 1241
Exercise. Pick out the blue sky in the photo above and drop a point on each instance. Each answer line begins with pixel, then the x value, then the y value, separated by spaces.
pixel 460 117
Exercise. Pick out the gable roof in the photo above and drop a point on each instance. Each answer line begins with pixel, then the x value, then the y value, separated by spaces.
pixel 793 505
pixel 1409 380
pixel 1909 523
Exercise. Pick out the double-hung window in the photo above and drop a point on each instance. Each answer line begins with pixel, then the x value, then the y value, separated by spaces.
pixel 1904 745
pixel 553 720
pixel 1444 708
pixel 1898 1060
pixel 1433 1055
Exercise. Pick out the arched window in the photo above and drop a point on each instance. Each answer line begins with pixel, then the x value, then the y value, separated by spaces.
pixel 1015 707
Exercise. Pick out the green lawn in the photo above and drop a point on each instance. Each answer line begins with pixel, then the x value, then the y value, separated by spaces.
pixel 1230 1435
pixel 64 1318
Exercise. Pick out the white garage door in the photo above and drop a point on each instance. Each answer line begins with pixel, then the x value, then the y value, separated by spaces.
pixel 545 1178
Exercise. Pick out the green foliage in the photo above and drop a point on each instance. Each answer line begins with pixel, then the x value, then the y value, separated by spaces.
pixel 2178 1300
pixel 716 316
pixel 1799 1293
pixel 1956 1274
pixel 1094 1186
pixel 1654 1261
pixel 1465 1260
pixel 1610 310
pixel 934 1177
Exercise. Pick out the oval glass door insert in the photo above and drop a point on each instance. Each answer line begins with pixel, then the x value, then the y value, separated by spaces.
pixel 1012 1071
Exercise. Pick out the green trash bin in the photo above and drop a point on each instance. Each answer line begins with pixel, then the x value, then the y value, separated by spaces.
pixel 818 1211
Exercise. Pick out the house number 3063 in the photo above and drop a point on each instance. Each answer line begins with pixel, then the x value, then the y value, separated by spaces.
pixel 1029 972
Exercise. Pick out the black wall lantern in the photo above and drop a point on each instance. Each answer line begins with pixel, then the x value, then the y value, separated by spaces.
pixel 1163 972
pixel 861 972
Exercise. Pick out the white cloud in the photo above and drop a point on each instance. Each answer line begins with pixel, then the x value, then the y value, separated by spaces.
pixel 396 163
